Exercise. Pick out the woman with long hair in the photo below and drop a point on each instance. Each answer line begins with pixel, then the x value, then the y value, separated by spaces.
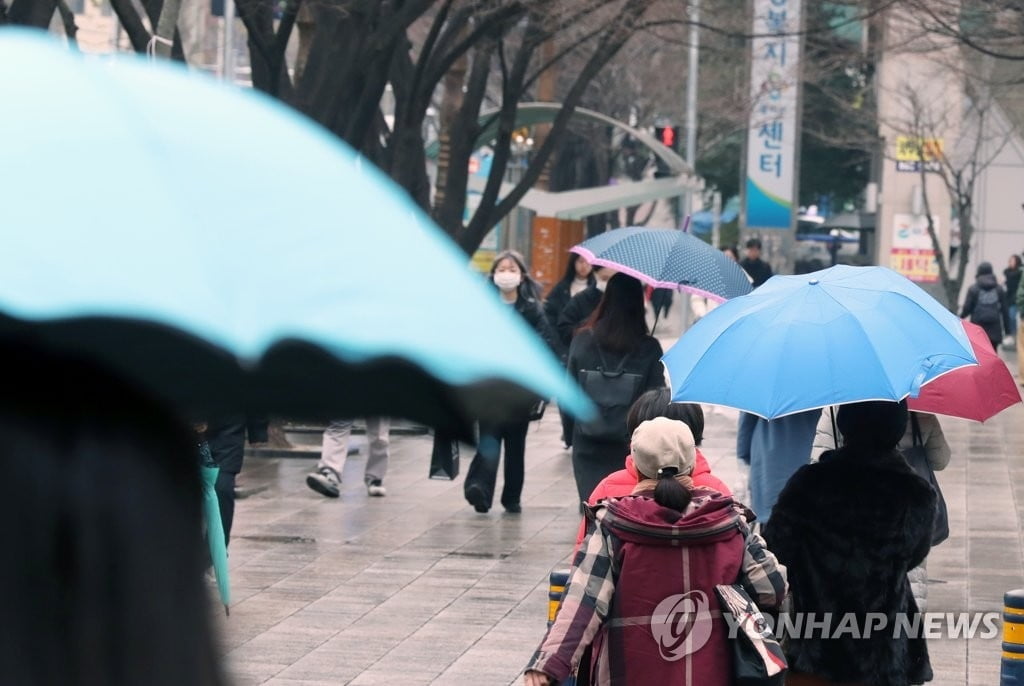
pixel 578 275
pixel 519 290
pixel 641 591
pixel 101 504
pixel 615 360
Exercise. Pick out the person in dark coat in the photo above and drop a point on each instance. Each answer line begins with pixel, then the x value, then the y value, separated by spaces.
pixel 848 529
pixel 987 305
pixel 758 270
pixel 573 314
pixel 582 305
pixel 615 340
pixel 1012 273
pixel 226 438
pixel 518 289
pixel 578 276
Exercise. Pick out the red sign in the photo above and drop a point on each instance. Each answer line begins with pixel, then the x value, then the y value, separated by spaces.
pixel 915 264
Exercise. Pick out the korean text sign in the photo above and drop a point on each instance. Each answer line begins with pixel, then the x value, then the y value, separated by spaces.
pixel 772 136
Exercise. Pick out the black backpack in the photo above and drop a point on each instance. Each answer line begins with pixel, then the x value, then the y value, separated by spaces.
pixel 613 391
pixel 986 310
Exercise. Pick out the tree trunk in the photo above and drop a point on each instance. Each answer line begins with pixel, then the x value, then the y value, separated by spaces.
pixel 37 13
pixel 547 84
pixel 451 103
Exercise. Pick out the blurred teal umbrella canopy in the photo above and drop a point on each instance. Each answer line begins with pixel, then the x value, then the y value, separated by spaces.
pixel 225 252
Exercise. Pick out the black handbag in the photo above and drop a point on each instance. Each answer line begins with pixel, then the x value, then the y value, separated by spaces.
pixel 444 459
pixel 917 457
pixel 757 658
pixel 537 411
pixel 613 392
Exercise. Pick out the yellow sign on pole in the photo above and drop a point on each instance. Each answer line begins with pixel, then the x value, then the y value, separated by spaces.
pixel 913 149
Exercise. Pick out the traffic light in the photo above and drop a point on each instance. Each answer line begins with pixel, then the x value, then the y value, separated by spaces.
pixel 669 137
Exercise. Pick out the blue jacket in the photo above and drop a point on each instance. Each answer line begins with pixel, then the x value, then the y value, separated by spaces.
pixel 774 450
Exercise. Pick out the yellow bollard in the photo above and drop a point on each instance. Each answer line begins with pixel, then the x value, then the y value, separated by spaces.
pixel 1012 670
pixel 556 588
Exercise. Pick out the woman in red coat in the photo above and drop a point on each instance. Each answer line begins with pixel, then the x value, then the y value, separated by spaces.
pixel 642 589
pixel 653 404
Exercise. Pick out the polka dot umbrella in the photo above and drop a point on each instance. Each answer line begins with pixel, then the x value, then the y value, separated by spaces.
pixel 667 258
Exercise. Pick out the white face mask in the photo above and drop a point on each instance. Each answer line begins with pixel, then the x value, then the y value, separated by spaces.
pixel 507 281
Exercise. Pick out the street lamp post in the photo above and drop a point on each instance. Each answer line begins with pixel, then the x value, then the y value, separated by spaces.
pixel 522 146
pixel 228 58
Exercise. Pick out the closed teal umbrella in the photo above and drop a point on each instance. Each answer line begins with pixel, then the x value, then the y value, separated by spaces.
pixel 225 252
pixel 209 471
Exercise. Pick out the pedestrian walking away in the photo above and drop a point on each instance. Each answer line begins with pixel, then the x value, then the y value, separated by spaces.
pixel 226 436
pixel 774 450
pixel 757 269
pixel 615 360
pixel 518 290
pixel 579 275
pixel 326 480
pixel 848 530
pixel 101 503
pixel 651 405
pixel 664 548
pixel 1012 274
pixel 1019 300
pixel 929 438
pixel 987 305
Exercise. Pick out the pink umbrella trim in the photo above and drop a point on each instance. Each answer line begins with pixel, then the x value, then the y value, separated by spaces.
pixel 645 278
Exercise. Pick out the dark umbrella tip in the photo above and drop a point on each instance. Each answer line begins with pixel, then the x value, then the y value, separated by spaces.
pixel 227 611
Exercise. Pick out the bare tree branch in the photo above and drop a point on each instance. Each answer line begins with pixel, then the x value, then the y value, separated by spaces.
pixel 138 35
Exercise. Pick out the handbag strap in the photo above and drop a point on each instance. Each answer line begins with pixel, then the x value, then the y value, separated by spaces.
pixel 915 429
pixel 604 365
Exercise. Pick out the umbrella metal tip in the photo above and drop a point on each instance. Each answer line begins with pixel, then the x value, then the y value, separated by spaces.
pixel 813 282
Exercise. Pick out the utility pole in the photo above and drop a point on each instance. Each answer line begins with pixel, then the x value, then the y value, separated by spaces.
pixel 693 64
pixel 691 132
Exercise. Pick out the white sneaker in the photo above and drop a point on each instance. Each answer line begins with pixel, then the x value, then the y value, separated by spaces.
pixel 325 482
pixel 375 488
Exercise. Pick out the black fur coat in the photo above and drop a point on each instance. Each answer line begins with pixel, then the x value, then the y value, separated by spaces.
pixel 848 529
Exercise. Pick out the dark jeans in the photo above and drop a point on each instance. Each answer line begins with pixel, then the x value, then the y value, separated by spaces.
pixel 567 426
pixel 483 470
pixel 225 488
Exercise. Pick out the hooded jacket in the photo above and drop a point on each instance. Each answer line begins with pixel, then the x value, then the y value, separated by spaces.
pixel 622 482
pixel 645 569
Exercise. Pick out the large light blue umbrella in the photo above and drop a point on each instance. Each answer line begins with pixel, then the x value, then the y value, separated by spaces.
pixel 840 335
pixel 225 252
pixel 666 258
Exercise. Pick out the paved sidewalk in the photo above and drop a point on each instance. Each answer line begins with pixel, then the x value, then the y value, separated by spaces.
pixel 417 588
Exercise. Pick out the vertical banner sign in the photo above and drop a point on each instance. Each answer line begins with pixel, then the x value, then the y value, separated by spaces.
pixel 771 140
